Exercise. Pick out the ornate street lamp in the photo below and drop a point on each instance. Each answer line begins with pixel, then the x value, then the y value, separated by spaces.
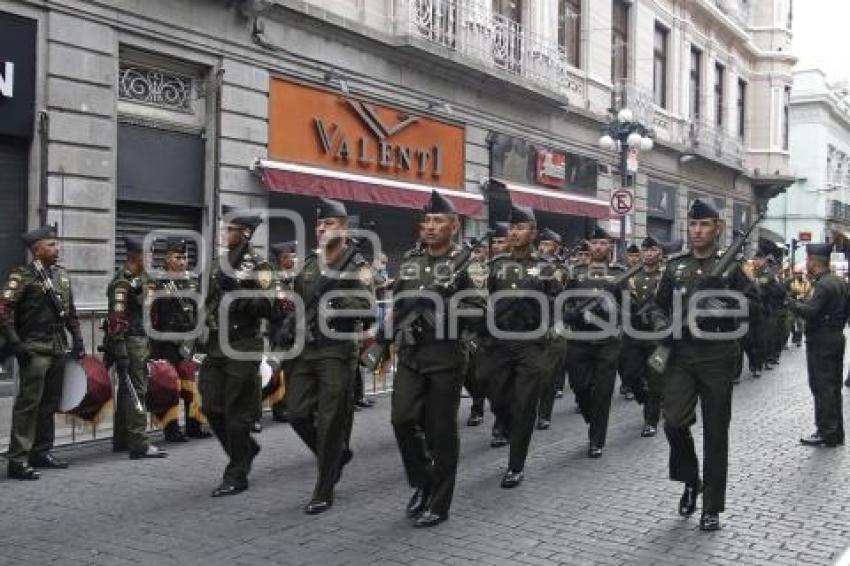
pixel 621 135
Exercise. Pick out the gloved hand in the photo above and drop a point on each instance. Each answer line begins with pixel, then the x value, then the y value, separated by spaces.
pixel 226 283
pixel 21 353
pixel 78 348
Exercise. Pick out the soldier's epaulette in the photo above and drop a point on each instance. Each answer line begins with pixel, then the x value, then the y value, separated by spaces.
pixel 498 258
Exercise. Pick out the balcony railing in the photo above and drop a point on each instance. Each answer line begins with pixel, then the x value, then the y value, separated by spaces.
pixel 715 143
pixel 739 11
pixel 838 211
pixel 473 31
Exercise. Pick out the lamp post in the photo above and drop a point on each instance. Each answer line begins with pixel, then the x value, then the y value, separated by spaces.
pixel 621 135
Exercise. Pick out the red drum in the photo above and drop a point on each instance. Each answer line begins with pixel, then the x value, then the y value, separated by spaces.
pixel 271 377
pixel 163 391
pixel 188 372
pixel 86 389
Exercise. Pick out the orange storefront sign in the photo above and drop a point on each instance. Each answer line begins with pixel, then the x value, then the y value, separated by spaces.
pixel 315 127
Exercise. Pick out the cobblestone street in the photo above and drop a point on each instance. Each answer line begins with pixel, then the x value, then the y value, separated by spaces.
pixel 787 504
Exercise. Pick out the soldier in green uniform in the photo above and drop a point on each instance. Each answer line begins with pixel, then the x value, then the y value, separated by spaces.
pixel 128 347
pixel 593 360
pixel 286 255
pixel 431 364
pixel 229 387
pixel 474 383
pixel 319 396
pixel 825 313
pixel 171 313
pixel 517 363
pixel 646 384
pixel 700 369
pixel 36 309
pixel 549 247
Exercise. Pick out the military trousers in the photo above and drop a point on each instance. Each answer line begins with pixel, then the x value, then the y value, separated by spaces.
pixel 130 424
pixel 425 404
pixel 319 401
pixel 754 345
pixel 646 384
pixel 229 400
pixel 37 401
pixel 475 386
pixel 516 373
pixel 825 364
pixel 554 372
pixel 700 371
pixel 593 371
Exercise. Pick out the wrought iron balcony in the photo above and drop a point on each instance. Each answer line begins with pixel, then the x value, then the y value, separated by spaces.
pixel 838 211
pixel 477 34
pixel 739 11
pixel 715 143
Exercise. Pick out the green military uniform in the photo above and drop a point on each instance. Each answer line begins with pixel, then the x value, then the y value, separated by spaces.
pixel 176 314
pixel 35 333
pixel 556 359
pixel 700 370
pixel 426 388
pixel 593 362
pixel 517 365
pixel 283 286
pixel 319 387
pixel 229 388
pixel 646 384
pixel 128 346
pixel 474 380
pixel 825 313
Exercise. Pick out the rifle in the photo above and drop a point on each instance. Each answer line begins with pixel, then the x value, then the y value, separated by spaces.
pixel 187 347
pixel 50 290
pixel 416 311
pixel 123 376
pixel 590 303
pixel 661 355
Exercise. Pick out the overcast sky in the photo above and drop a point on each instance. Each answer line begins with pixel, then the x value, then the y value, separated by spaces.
pixel 820 36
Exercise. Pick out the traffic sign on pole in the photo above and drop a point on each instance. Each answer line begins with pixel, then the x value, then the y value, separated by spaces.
pixel 622 202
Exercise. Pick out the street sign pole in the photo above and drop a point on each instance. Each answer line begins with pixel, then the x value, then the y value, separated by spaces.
pixel 624 182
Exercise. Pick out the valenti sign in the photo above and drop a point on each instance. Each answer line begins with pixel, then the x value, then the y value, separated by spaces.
pixel 17 75
pixel 327 129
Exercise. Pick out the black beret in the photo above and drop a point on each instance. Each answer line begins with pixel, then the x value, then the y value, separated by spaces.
pixel 241 217
pixel 501 230
pixel 521 214
pixel 41 233
pixel 650 242
pixel 584 246
pixel 598 233
pixel 176 245
pixel 439 204
pixel 819 250
pixel 550 235
pixel 700 210
pixel 329 208
pixel 633 249
pixel 281 248
pixel 134 244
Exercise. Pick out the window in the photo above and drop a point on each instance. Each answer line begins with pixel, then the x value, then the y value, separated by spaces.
pixel 511 9
pixel 742 108
pixel 620 42
pixel 569 29
pixel 660 66
pixel 719 84
pixel 786 117
pixel 696 83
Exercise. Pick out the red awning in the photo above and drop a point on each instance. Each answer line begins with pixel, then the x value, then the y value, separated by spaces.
pixel 313 181
pixel 556 201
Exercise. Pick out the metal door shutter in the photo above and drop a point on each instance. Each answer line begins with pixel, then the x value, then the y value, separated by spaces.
pixel 138 219
pixel 13 197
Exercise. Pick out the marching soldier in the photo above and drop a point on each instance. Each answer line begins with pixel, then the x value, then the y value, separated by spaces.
pixel 36 308
pixel 700 370
pixel 499 245
pixel 825 313
pixel 646 384
pixel 175 314
pixel 799 289
pixel 475 383
pixel 633 255
pixel 518 364
pixel 128 347
pixel 593 362
pixel 426 390
pixel 549 247
pixel 287 267
pixel 229 386
pixel 319 397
